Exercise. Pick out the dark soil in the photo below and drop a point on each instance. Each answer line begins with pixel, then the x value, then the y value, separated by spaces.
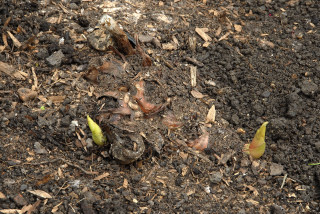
pixel 262 64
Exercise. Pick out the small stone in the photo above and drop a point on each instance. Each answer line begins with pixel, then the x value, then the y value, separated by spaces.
pixel 277 209
pixel 89 142
pixel 317 145
pixel 26 94
pixel 23 187
pixel 86 207
pixel 235 119
pixel 276 169
pixel 42 53
pixel 308 88
pixel 38 148
pixel 20 200
pixel 216 177
pixel 55 58
pixel 266 94
pixel 73 6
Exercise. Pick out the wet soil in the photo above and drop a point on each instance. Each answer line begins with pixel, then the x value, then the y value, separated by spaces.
pixel 259 62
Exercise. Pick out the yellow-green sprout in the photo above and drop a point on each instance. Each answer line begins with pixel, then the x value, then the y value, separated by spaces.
pixel 258 145
pixel 96 131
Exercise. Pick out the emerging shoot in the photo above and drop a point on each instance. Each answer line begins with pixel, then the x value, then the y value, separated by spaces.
pixel 258 145
pixel 96 131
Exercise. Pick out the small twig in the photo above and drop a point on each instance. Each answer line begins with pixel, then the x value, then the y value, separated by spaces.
pixel 191 151
pixel 194 61
pixel 284 180
pixel 66 162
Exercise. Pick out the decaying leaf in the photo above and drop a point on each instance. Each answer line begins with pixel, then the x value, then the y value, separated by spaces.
pixel 118 35
pixel 146 60
pixel 40 193
pixel 92 75
pixel 201 143
pixel 258 145
pixel 97 134
pixel 211 116
pixel 145 106
pixel 170 120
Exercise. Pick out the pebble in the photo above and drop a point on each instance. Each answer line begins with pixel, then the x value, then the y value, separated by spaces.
pixel 23 187
pixel 55 58
pixel 38 148
pixel 266 94
pixel 276 169
pixel 42 53
pixel 216 177
pixel 317 145
pixel 308 87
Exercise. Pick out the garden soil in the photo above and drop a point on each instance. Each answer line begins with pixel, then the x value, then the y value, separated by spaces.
pixel 246 61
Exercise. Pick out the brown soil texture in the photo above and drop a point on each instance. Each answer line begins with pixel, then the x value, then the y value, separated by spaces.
pixel 256 61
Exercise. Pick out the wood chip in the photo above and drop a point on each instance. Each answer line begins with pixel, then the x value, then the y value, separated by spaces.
pixel 238 28
pixel 57 99
pixel 211 116
pixel 197 94
pixel 8 211
pixel 201 32
pixel 14 39
pixel 2 47
pixel 106 174
pixel 55 208
pixel 193 75
pixel 40 193
pixel 218 32
pixel 225 36
pixel 10 71
pixel 2 196
pixel 169 46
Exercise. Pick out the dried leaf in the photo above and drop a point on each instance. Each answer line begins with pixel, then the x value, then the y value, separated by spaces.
pixel 170 120
pixel 40 193
pixel 146 60
pixel 145 106
pixel 14 39
pixel 92 75
pixel 258 145
pixel 201 143
pixel 118 35
pixel 211 116
pixel 197 94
